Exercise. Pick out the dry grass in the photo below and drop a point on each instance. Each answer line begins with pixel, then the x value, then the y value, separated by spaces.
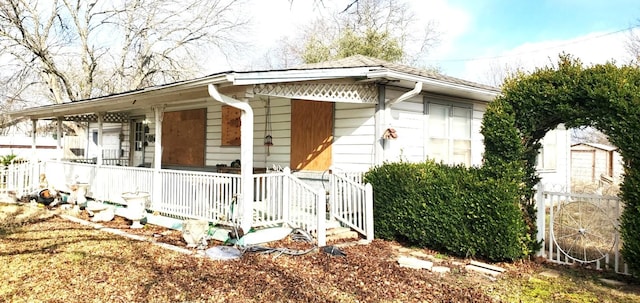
pixel 48 259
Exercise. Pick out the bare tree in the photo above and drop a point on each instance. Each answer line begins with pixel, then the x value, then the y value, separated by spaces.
pixel 633 44
pixel 378 28
pixel 60 50
pixel 588 134
pixel 498 71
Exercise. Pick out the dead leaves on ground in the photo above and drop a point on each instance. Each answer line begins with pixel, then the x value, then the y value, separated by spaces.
pixel 54 260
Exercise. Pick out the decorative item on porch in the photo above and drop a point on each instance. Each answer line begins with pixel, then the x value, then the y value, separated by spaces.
pixel 194 232
pixel 390 134
pixel 268 139
pixel 100 212
pixel 78 194
pixel 136 204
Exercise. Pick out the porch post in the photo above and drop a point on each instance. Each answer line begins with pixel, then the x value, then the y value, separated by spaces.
pixel 34 125
pixel 246 154
pixel 158 112
pixel 59 138
pixel 100 126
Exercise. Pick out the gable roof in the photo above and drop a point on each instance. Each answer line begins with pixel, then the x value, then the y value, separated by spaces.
pixel 357 67
pixel 364 61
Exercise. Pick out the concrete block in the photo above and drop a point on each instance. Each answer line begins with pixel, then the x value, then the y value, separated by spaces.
pixel 415 263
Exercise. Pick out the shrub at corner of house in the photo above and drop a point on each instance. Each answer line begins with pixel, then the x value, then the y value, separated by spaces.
pixel 7 159
pixel 451 208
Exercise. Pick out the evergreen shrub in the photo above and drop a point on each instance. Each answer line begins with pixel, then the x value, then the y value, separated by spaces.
pixel 454 209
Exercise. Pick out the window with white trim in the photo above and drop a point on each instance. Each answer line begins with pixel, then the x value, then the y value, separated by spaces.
pixel 548 156
pixel 449 127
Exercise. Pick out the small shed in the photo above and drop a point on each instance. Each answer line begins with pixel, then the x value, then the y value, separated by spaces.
pixel 594 162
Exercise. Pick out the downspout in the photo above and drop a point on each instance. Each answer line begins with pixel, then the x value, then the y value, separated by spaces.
pixel 416 90
pixel 246 154
pixel 387 113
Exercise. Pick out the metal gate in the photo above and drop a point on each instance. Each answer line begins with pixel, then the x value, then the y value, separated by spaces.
pixel 580 228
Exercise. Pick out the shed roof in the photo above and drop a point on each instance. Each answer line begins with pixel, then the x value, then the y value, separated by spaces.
pixel 596 145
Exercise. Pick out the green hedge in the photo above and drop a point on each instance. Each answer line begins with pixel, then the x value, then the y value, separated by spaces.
pixel 454 209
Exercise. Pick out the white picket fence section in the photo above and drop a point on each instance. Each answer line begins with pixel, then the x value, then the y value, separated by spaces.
pixel 20 178
pixel 351 202
pixel 579 228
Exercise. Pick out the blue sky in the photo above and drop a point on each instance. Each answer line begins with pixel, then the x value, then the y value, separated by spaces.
pixel 529 32
pixel 488 33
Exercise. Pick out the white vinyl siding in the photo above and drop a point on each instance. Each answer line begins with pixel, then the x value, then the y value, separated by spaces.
pixel 354 136
pixel 281 133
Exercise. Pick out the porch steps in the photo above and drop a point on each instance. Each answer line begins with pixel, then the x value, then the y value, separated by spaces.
pixel 341 234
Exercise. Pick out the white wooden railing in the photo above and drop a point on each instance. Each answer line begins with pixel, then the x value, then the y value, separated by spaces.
pixel 199 195
pixel 279 198
pixel 307 207
pixel 270 195
pixel 111 181
pixel 352 203
pixel 579 228
pixel 20 178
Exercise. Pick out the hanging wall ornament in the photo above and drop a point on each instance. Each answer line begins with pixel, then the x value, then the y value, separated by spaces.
pixel 268 139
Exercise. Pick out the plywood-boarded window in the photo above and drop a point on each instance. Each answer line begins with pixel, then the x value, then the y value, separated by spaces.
pixel 311 135
pixel 183 137
pixel 230 126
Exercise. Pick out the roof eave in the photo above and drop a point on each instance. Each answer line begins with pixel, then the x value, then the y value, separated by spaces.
pixel 109 102
pixel 295 75
pixel 478 93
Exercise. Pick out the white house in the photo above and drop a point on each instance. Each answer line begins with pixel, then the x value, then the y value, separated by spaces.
pixel 341 116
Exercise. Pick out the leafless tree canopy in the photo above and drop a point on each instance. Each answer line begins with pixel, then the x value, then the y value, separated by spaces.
pixel 633 44
pixel 391 17
pixel 60 50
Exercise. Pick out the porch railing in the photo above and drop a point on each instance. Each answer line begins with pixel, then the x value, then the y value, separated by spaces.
pixel 200 195
pixel 351 202
pixel 279 198
pixel 283 198
pixel 20 178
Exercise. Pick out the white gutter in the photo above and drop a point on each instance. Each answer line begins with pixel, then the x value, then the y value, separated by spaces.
pixel 387 104
pixel 246 155
pixel 416 90
pixel 488 94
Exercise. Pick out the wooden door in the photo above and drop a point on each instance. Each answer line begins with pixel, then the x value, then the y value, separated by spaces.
pixel 183 137
pixel 311 135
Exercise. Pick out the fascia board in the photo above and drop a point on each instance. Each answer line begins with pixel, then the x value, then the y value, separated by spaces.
pixel 110 102
pixel 297 75
pixel 484 94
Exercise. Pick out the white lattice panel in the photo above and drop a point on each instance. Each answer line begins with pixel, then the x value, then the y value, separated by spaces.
pixel 335 92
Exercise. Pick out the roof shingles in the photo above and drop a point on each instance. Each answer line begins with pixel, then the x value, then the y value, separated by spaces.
pixel 364 61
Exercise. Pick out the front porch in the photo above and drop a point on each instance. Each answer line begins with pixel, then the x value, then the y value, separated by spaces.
pixel 279 198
